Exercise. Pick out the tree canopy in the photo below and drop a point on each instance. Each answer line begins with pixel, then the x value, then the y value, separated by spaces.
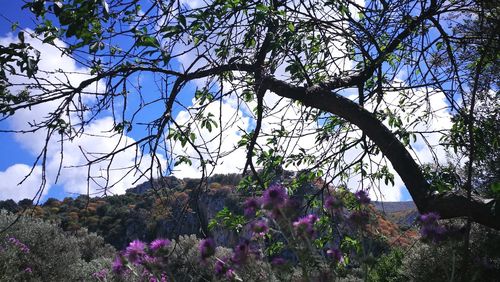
pixel 350 91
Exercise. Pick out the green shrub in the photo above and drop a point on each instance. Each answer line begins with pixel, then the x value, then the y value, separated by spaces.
pixel 35 250
pixel 388 268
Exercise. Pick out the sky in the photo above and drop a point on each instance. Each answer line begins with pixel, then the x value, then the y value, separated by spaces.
pixel 20 151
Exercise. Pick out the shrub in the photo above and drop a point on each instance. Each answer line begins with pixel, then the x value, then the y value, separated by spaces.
pixel 35 250
pixel 388 268
pixel 445 262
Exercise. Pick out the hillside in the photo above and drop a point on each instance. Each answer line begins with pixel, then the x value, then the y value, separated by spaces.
pixel 402 213
pixel 174 207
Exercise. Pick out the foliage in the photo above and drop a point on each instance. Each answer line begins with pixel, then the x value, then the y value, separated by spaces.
pixel 334 89
pixel 277 244
pixel 445 261
pixel 34 250
pixel 395 59
pixel 388 267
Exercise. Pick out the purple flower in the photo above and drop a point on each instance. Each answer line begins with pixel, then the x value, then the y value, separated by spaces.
pixel 25 249
pixel 431 230
pixel 304 226
pixel 206 248
pixel 230 274
pixel 18 244
pixel 362 197
pixel 240 253
pixel 220 267
pixel 117 265
pixel 29 270
pixel 332 203
pixel 163 278
pixel 135 251
pixel 13 240
pixel 159 244
pixel 250 206
pixel 260 227
pixel 429 218
pixel 335 254
pixel 101 275
pixel 149 259
pixel 274 197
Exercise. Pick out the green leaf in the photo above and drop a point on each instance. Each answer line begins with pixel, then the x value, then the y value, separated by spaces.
pixel 261 7
pixel 148 41
pixel 495 188
pixel 14 26
pixel 291 27
pixel 182 20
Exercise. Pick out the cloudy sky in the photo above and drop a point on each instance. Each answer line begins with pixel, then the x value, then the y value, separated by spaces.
pixel 19 151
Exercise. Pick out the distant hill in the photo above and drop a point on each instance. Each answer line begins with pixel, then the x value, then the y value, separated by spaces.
pixel 402 213
pixel 171 207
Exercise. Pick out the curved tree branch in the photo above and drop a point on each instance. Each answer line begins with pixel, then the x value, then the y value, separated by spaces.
pixel 448 205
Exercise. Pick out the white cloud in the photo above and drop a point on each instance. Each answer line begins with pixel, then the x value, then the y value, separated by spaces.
pixel 214 143
pixel 13 175
pixel 97 140
pixel 426 149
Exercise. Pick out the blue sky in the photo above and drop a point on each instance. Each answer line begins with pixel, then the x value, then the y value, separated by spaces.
pixel 18 155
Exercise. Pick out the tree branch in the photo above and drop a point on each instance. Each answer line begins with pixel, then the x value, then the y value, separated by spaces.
pixel 450 205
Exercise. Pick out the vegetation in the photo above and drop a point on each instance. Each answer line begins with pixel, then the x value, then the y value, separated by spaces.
pixel 347 240
pixel 34 250
pixel 346 94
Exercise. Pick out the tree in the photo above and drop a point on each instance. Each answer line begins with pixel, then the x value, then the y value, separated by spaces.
pixel 338 89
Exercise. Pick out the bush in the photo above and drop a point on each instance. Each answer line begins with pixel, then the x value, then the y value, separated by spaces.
pixel 35 250
pixel 445 262
pixel 388 268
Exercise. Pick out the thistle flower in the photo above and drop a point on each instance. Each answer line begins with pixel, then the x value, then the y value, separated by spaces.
pixel 220 267
pixel 101 274
pixel 362 197
pixel 332 203
pixel 163 278
pixel 429 218
pixel 147 259
pixel 304 226
pixel 274 197
pixel 117 265
pixel 159 244
pixel 206 248
pixel 431 230
pixel 230 274
pixel 250 206
pixel 135 251
pixel 260 227
pixel 240 253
